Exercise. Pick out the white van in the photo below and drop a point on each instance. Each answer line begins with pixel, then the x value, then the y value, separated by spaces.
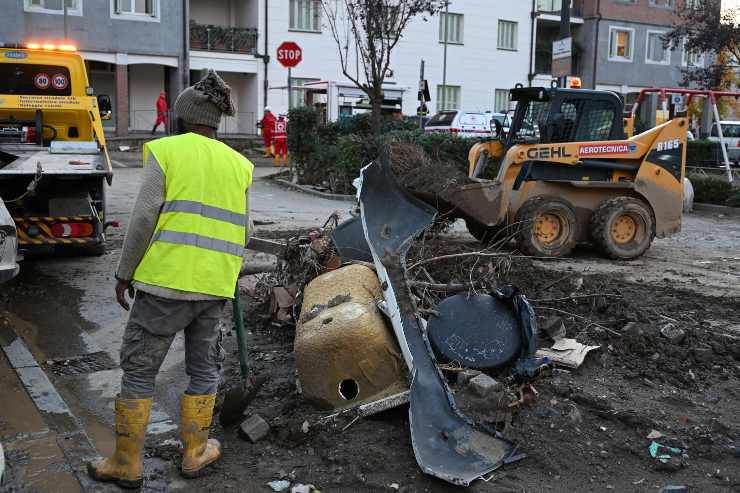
pixel 462 124
pixel 731 134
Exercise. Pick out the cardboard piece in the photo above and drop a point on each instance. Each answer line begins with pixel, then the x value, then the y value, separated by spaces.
pixel 567 352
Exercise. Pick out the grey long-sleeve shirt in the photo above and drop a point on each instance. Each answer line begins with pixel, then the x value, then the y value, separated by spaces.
pixel 141 227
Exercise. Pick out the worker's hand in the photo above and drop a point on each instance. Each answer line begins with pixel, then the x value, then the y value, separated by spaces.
pixel 121 288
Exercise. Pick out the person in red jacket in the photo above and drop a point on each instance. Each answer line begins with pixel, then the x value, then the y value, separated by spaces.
pixel 280 139
pixel 268 123
pixel 161 112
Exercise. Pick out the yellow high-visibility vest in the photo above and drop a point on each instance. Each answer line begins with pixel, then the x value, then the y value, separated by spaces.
pixel 198 243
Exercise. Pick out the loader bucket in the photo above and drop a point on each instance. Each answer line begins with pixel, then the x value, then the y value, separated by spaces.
pixel 480 202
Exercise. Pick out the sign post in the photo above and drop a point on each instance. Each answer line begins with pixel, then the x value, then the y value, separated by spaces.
pixel 289 54
pixel 562 47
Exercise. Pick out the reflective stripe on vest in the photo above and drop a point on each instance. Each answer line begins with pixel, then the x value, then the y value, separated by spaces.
pixel 198 241
pixel 204 210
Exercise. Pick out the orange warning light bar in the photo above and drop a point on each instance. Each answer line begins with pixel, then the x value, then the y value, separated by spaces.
pixel 51 46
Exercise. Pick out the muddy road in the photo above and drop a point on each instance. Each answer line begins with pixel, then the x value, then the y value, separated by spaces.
pixel 586 430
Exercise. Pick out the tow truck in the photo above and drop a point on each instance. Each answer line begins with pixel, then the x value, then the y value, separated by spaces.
pixel 54 162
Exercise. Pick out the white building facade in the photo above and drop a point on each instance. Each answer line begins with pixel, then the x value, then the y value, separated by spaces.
pixel 488 51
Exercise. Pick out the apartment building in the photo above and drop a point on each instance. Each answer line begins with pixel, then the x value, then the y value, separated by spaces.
pixel 488 51
pixel 623 45
pixel 133 48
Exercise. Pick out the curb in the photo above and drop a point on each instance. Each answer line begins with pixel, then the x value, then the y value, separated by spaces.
pixel 316 193
pixel 719 209
pixel 73 441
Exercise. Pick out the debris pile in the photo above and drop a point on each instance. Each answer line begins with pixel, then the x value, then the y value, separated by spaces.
pixel 618 349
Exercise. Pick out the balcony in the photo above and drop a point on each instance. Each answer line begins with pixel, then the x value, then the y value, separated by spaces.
pixel 553 8
pixel 209 37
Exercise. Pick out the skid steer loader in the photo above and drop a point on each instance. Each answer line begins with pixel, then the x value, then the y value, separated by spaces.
pixel 567 174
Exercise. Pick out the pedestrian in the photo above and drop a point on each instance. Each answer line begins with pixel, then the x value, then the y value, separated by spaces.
pixel 280 139
pixel 161 112
pixel 181 257
pixel 267 122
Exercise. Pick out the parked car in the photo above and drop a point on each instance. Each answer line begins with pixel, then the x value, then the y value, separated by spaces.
pixel 731 134
pixel 8 246
pixel 503 119
pixel 461 123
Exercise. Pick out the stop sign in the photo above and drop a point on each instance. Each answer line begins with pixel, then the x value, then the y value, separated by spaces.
pixel 289 54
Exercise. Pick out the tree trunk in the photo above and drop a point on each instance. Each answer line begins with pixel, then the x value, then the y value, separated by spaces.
pixel 376 101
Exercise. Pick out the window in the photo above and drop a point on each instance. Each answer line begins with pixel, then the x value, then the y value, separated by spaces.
pixel 138 8
pixel 669 4
pixel 694 4
pixel 33 79
pixel 621 44
pixel 305 15
pixel 74 7
pixel 454 28
pixel 655 52
pixel 501 101
pixel 728 130
pixel 507 35
pixel 691 58
pixel 297 96
pixel 448 98
pixel 554 6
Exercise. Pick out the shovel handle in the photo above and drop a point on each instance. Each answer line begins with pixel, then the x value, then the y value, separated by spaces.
pixel 241 337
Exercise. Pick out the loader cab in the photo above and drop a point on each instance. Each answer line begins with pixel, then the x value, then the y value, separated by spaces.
pixel 552 115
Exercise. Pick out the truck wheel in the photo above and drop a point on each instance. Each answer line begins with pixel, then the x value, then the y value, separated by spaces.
pixel 546 227
pixel 623 227
pixel 481 232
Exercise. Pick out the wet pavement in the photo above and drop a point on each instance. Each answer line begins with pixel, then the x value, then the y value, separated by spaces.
pixel 64 312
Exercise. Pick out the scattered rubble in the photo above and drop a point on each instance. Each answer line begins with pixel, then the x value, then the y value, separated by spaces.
pixel 657 347
pixel 484 386
pixel 254 428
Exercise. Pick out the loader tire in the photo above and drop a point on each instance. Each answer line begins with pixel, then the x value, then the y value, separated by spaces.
pixel 485 234
pixel 623 228
pixel 546 227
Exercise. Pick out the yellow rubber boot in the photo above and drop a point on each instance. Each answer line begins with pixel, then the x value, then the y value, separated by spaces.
pixel 195 423
pixel 125 466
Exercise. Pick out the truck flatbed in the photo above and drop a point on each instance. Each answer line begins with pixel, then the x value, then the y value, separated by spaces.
pixel 29 156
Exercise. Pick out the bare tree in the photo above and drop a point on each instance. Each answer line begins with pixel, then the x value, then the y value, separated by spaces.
pixel 367 31
pixel 705 27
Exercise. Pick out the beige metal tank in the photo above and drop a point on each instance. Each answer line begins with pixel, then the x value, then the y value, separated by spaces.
pixel 345 352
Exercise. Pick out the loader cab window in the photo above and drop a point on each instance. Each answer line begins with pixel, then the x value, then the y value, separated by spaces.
pixel 528 120
pixel 596 122
pixel 34 80
pixel 570 111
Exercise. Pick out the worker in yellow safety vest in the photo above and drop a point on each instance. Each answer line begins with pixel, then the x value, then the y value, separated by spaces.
pixel 182 255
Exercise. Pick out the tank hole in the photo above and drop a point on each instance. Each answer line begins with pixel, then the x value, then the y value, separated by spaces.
pixel 348 389
pixel 327 320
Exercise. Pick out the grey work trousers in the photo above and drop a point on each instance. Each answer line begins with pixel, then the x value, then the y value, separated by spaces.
pixel 151 328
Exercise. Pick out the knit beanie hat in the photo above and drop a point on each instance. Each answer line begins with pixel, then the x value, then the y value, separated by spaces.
pixel 205 102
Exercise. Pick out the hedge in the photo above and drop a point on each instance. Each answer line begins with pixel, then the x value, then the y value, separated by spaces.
pixel 714 190
pixel 332 154
pixel 702 153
